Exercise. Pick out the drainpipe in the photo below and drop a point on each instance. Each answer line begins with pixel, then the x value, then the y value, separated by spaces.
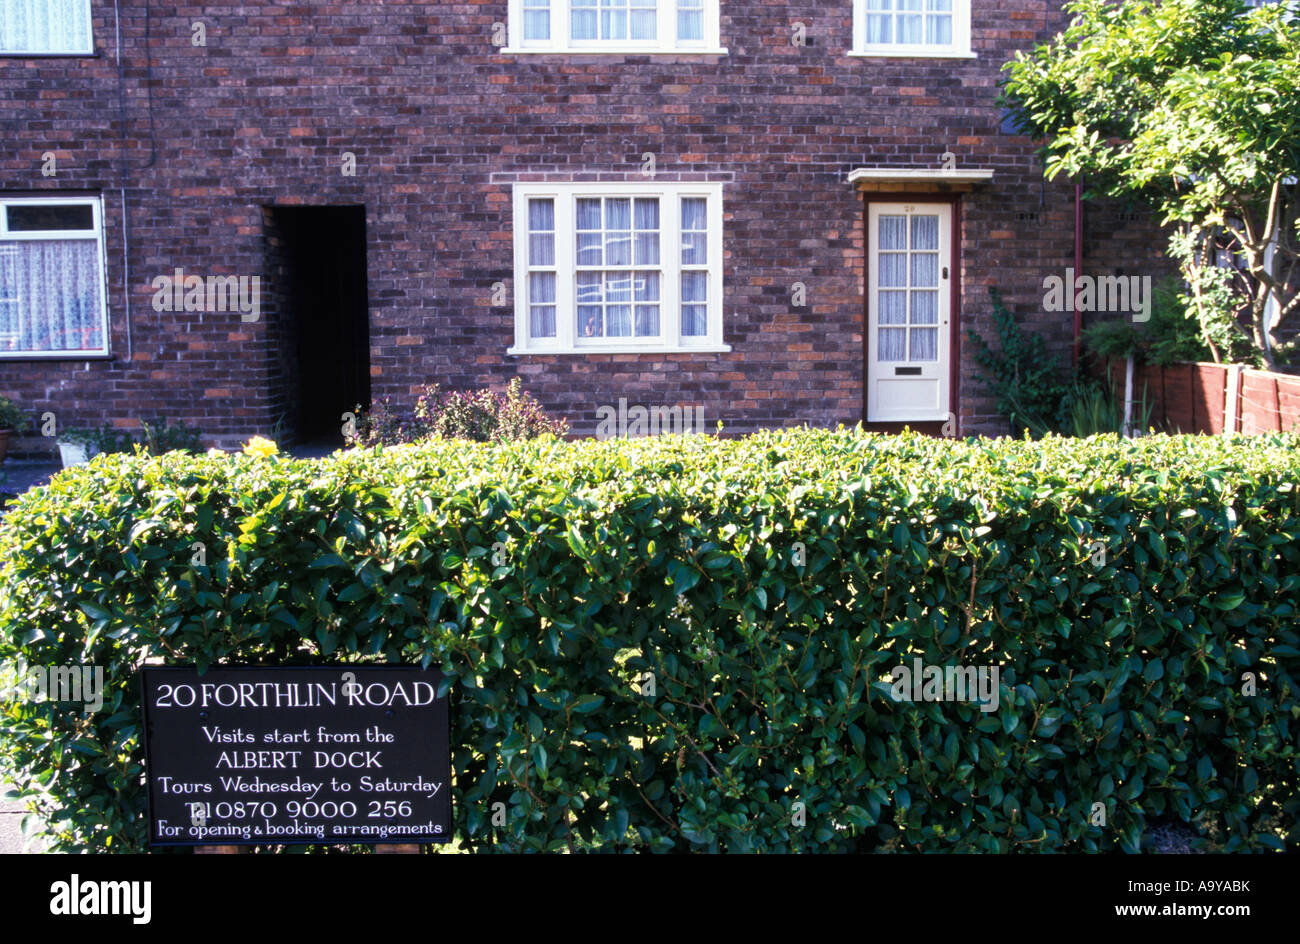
pixel 1078 265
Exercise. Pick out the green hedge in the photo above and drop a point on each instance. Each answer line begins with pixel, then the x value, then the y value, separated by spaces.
pixel 772 725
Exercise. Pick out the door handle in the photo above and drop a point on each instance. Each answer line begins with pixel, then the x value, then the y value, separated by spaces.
pixel 945 272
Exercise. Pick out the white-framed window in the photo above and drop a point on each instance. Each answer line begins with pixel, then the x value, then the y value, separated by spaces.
pixel 618 267
pixel 52 289
pixel 912 28
pixel 46 27
pixel 614 26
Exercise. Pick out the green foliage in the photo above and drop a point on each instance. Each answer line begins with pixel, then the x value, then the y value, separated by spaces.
pixel 769 584
pixel 160 437
pixel 1092 409
pixel 11 416
pixel 479 415
pixel 82 437
pixel 1022 374
pixel 1214 300
pixel 1172 335
pixel 1189 105
pixel 109 439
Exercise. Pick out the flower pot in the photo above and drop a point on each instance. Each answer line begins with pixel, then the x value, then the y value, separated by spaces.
pixel 74 453
pixel 4 443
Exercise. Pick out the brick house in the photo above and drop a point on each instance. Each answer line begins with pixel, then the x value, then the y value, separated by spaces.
pixel 778 212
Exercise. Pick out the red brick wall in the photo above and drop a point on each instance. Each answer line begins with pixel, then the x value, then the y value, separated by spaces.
pixel 441 123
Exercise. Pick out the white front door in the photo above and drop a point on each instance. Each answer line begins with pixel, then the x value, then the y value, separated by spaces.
pixel 908 304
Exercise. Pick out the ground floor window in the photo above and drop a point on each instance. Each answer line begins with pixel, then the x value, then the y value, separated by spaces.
pixel 45 27
pixel 631 266
pixel 52 277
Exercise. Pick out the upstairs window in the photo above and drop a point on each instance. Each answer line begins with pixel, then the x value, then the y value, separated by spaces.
pixel 617 267
pixel 45 27
pixel 615 26
pixel 52 278
pixel 912 28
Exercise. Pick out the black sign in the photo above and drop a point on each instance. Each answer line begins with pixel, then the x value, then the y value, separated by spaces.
pixel 303 754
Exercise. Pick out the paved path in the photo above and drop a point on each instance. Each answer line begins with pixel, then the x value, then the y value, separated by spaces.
pixel 11 825
pixel 18 477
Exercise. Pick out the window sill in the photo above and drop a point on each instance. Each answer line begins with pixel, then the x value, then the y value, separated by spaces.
pixel 19 54
pixel 617 349
pixel 909 54
pixel 56 356
pixel 609 51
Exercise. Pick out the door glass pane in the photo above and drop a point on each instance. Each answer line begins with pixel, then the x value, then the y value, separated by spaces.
pixel 925 269
pixel 925 308
pixel 893 308
pixel 925 344
pixel 892 344
pixel 925 232
pixel 893 232
pixel 893 270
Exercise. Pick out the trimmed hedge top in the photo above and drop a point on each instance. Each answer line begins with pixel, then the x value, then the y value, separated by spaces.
pixel 686 643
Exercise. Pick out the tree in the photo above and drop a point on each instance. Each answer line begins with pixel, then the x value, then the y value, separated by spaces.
pixel 1192 106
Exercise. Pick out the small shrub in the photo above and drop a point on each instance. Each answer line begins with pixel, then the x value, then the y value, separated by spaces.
pixel 1172 335
pixel 160 437
pixel 11 416
pixel 480 415
pixel 1022 375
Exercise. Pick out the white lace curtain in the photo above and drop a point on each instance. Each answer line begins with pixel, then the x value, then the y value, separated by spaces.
pixel 44 26
pixel 50 296
pixel 614 19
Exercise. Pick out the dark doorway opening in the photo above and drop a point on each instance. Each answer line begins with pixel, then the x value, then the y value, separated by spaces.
pixel 318 257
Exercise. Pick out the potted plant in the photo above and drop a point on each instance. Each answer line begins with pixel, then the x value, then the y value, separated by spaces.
pixel 12 419
pixel 76 446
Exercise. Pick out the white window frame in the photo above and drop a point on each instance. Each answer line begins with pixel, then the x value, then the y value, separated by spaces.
pixel 959 48
pixel 666 42
pixel 566 339
pixel 88 50
pixel 97 213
